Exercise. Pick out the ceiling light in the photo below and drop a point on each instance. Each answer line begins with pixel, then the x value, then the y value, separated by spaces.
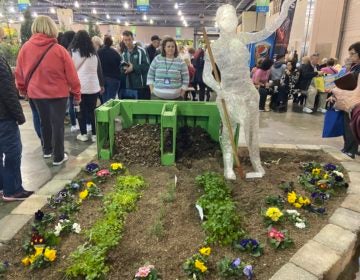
pixel 126 23
pixel 85 19
pixel 1 15
pixel 21 18
pixel 144 17
pixel 12 9
pixel 107 16
pixel 182 18
pixel 97 23
pixel 76 4
pixel 94 11
pixel 216 24
pixel 151 21
pixel 179 13
pixel 34 14
pixel 176 6
pixel 52 10
pixel 11 21
pixel 118 20
pixel 126 5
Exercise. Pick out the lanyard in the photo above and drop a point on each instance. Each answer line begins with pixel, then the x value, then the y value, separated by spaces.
pixel 167 69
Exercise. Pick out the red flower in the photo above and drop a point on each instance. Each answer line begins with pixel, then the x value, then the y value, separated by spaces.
pixel 275 234
pixel 103 173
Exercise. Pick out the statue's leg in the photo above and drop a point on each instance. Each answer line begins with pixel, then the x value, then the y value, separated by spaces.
pixel 227 148
pixel 251 128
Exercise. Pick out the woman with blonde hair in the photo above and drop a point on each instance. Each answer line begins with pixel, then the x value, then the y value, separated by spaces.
pixel 45 73
pixel 97 42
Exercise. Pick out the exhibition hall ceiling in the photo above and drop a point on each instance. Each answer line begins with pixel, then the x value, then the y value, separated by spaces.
pixel 192 13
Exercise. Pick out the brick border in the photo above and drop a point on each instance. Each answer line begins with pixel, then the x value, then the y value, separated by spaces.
pixel 323 257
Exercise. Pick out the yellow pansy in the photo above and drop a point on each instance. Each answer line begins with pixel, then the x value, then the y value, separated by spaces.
pixel 200 266
pixel 90 184
pixel 116 166
pixel 316 171
pixel 26 261
pixel 326 176
pixel 50 254
pixel 38 250
pixel 205 251
pixel 291 197
pixel 307 201
pixel 297 205
pixel 83 194
pixel 274 213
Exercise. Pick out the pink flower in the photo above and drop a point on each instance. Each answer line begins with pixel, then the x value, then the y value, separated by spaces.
pixel 144 271
pixel 103 173
pixel 278 235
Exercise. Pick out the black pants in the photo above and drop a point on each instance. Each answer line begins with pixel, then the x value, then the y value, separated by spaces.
pixel 87 112
pixel 263 95
pixel 350 144
pixel 144 93
pixel 52 115
pixel 203 91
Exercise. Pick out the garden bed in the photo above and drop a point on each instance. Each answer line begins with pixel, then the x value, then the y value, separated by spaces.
pixel 166 229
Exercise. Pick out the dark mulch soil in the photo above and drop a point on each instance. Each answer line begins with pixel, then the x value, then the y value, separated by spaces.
pixel 182 235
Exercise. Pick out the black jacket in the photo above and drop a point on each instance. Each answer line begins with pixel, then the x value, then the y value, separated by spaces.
pixel 307 73
pixel 10 107
pixel 110 62
pixel 152 52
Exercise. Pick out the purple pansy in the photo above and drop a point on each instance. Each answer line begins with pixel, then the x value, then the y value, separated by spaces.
pixel 330 167
pixel 63 217
pixel 39 215
pixel 91 167
pixel 248 272
pixel 236 263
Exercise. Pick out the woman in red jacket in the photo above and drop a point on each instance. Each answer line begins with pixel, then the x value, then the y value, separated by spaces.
pixel 45 73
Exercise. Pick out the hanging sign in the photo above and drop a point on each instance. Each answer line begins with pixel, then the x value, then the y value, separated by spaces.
pixel 23 5
pixel 142 5
pixel 178 33
pixel 262 6
pixel 65 18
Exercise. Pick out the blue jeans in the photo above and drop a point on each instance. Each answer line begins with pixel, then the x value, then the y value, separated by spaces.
pixel 111 88
pixel 36 118
pixel 72 111
pixel 10 148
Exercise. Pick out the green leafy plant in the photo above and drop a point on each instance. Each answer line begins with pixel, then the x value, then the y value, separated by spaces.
pixel 276 201
pixel 196 266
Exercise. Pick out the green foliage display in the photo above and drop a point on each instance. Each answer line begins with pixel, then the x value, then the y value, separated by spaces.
pixel 88 260
pixel 9 52
pixel 94 29
pixel 222 224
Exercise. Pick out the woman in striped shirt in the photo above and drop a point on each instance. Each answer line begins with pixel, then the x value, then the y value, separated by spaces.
pixel 168 76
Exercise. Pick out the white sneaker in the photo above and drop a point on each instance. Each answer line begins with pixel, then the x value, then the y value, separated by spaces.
pixel 307 110
pixel 93 138
pixel 82 137
pixel 47 155
pixel 74 128
pixel 321 110
pixel 61 162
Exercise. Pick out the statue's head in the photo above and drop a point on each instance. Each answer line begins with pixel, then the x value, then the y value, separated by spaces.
pixel 226 18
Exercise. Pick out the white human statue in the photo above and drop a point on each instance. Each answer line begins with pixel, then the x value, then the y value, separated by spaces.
pixel 236 88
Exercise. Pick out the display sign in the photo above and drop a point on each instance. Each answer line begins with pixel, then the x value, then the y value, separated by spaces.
pixel 262 6
pixel 178 33
pixel 23 5
pixel 65 18
pixel 261 50
pixel 142 5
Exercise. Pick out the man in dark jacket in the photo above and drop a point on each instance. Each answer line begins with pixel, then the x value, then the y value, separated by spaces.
pixel 308 71
pixel 136 67
pixel 11 115
pixel 152 50
pixel 110 62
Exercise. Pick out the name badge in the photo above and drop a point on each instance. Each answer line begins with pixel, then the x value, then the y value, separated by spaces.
pixel 167 81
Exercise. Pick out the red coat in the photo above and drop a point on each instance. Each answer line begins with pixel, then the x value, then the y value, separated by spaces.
pixel 56 75
pixel 191 70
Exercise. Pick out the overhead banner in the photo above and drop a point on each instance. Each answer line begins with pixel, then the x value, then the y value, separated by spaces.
pixel 23 5
pixel 65 18
pixel 261 50
pixel 283 32
pixel 142 5
pixel 262 6
pixel 178 33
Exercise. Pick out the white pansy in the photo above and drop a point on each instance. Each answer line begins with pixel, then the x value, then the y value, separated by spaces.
pixel 337 173
pixel 300 225
pixel 76 228
pixel 58 229
pixel 293 212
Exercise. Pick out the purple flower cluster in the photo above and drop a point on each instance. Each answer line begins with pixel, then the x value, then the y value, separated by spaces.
pixel 246 242
pixel 39 215
pixel 320 195
pixel 92 167
pixel 330 167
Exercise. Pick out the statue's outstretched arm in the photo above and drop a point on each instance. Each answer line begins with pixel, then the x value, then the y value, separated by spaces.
pixel 208 78
pixel 249 38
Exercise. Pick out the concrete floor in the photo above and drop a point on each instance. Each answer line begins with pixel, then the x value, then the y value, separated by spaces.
pixel 292 127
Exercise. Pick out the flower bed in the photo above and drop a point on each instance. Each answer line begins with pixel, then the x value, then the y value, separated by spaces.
pixel 165 230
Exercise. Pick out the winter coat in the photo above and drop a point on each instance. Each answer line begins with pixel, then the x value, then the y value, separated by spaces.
pixel 10 107
pixel 55 76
